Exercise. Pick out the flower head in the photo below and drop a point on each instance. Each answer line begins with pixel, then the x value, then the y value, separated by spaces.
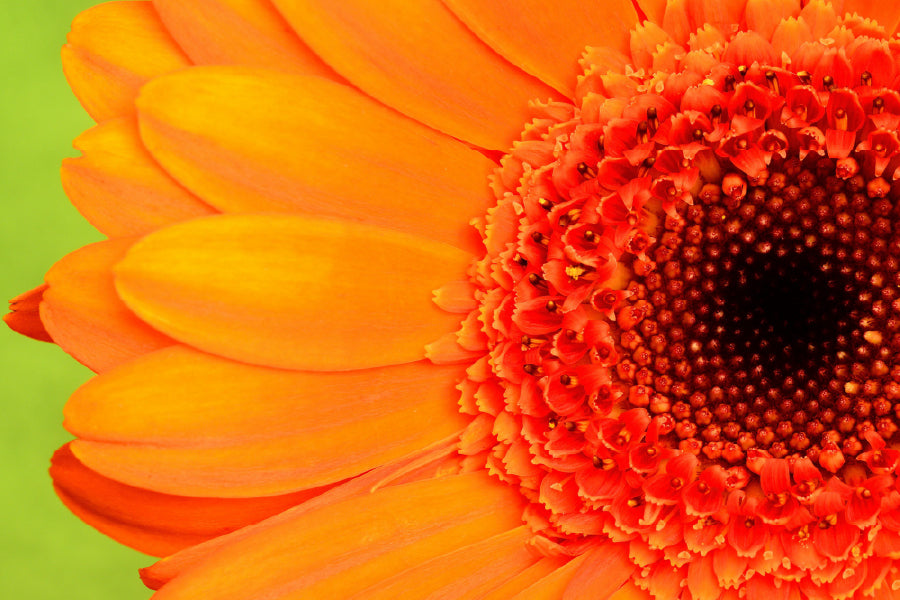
pixel 660 365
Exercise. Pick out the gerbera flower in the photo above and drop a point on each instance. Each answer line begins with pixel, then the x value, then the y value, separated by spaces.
pixel 487 300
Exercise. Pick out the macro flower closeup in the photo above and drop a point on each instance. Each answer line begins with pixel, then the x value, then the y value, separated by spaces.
pixel 488 300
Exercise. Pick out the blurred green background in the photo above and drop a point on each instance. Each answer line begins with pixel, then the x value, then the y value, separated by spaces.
pixel 45 552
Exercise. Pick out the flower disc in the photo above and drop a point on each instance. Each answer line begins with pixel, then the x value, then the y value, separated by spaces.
pixel 688 308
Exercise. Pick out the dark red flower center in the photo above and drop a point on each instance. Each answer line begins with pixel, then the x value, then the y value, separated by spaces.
pixel 768 316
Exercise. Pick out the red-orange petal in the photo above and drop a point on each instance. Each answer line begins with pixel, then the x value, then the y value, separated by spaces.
pixel 119 188
pixel 420 59
pixel 886 13
pixel 464 574
pixel 340 549
pixel 112 50
pixel 182 422
pixel 24 317
pixel 154 523
pixel 523 30
pixel 84 315
pixel 245 140
pixel 292 291
pixel 246 32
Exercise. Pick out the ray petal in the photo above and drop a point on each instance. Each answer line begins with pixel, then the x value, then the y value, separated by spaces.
pixel 247 32
pixel 154 523
pixel 24 316
pixel 522 31
pixel 245 139
pixel 420 59
pixel 84 315
pixel 112 50
pixel 369 538
pixel 182 422
pixel 464 574
pixel 291 291
pixel 119 188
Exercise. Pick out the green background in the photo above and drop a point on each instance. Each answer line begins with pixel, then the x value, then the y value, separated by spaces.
pixel 45 552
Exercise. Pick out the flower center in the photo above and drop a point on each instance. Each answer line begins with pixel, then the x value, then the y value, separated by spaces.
pixel 767 316
pixel 689 306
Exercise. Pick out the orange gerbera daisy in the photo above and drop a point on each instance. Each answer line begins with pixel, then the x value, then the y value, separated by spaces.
pixel 660 365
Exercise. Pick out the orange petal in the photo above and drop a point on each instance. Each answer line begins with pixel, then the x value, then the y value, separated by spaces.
pixel 84 315
pixel 291 291
pixel 418 58
pixel 187 423
pixel 526 578
pixel 340 549
pixel 167 569
pixel 630 591
pixel 653 9
pixel 245 140
pixel 523 30
pixel 553 585
pixel 118 186
pixel 886 13
pixel 154 523
pixel 721 14
pixel 764 16
pixel 247 32
pixel 113 49
pixel 605 569
pixel 24 317
pixel 465 574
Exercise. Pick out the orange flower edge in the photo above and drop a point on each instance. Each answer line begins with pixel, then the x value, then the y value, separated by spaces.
pixel 686 313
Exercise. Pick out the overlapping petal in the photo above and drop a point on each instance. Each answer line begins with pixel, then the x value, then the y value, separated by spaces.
pixel 119 188
pixel 256 140
pixel 886 13
pixel 291 291
pixel 114 49
pixel 370 538
pixel 84 315
pixel 523 30
pixel 24 316
pixel 151 522
pixel 244 32
pixel 464 574
pixel 187 423
pixel 418 58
